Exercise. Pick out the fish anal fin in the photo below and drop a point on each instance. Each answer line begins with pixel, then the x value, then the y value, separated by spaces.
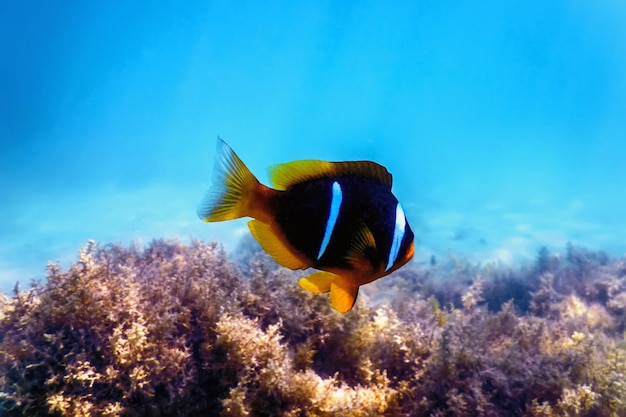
pixel 272 244
pixel 282 176
pixel 343 296
pixel 318 282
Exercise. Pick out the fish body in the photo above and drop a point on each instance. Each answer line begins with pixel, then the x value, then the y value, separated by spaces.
pixel 338 217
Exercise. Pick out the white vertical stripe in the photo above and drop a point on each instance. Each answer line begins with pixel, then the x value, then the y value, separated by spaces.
pixel 335 205
pixel 398 235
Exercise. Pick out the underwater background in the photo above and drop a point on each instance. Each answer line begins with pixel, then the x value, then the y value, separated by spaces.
pixel 502 122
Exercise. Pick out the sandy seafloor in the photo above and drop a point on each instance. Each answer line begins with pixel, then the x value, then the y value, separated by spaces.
pixel 55 230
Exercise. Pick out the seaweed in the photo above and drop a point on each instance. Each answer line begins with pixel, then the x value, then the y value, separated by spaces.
pixel 180 330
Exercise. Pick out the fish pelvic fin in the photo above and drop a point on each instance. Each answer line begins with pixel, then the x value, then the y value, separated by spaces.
pixel 274 246
pixel 235 192
pixel 342 293
pixel 343 296
pixel 318 282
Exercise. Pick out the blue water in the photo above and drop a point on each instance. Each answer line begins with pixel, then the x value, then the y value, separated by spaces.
pixel 502 122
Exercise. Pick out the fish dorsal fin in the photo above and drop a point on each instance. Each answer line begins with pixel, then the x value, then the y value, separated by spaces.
pixel 274 246
pixel 318 282
pixel 343 296
pixel 362 246
pixel 285 175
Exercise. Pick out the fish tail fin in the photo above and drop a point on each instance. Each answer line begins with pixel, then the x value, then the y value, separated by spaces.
pixel 235 192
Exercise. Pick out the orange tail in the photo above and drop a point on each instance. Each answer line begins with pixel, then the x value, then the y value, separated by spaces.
pixel 235 191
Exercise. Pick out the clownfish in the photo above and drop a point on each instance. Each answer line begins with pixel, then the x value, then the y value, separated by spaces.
pixel 338 217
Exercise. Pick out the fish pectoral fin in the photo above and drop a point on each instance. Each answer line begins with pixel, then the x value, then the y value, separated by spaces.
pixel 318 282
pixel 343 296
pixel 272 244
pixel 362 248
